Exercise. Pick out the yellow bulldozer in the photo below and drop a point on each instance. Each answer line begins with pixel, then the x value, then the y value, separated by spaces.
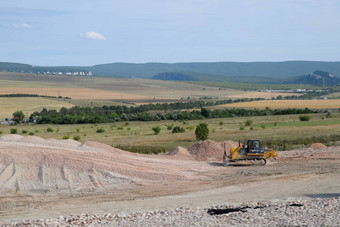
pixel 252 152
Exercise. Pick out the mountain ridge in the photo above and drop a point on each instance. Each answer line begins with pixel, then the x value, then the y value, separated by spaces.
pixel 257 72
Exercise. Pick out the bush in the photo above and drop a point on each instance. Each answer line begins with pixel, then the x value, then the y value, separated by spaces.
pixel 49 130
pixel 31 133
pixel 0 132
pixel 77 129
pixel 304 118
pixel 242 127
pixel 248 122
pixel 100 130
pixel 221 123
pixel 14 131
pixel 263 126
pixel 76 138
pixel 169 127
pixel 24 131
pixel 142 149
pixel 202 131
pixel 275 123
pixel 178 129
pixel 251 128
pixel 156 130
pixel 66 137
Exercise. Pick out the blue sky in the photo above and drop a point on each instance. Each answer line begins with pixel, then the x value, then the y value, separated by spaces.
pixel 88 32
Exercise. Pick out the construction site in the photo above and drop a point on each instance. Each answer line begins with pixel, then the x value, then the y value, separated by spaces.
pixel 66 182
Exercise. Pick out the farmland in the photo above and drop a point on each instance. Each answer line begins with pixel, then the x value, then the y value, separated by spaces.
pixel 28 105
pixel 282 104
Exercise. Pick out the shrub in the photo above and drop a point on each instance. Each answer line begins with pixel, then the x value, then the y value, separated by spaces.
pixel 49 130
pixel 76 138
pixel 248 122
pixel 156 130
pixel 202 131
pixel 142 149
pixel 251 128
pixel 275 123
pixel 31 133
pixel 304 118
pixel 263 126
pixel 0 132
pixel 221 123
pixel 100 130
pixel 24 131
pixel 170 127
pixel 178 129
pixel 66 137
pixel 242 127
pixel 14 131
pixel 77 129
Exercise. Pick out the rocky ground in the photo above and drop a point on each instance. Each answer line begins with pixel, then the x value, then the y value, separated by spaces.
pixel 314 212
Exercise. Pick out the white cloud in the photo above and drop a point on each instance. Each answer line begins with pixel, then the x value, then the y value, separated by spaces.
pixel 93 35
pixel 22 25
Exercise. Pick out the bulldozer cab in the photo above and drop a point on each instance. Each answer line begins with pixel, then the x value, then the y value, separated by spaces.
pixel 254 146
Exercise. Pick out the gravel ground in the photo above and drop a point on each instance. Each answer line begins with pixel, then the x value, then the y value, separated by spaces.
pixel 311 212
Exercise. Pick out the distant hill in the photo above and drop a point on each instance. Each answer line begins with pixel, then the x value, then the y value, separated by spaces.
pixel 316 78
pixel 173 76
pixel 250 72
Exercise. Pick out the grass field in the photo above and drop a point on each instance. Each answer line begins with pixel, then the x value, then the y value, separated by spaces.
pixel 28 105
pixel 282 104
pixel 267 128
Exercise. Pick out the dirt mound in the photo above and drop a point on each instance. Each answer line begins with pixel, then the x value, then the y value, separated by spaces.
pixel 179 151
pixel 32 165
pixel 11 137
pixel 317 146
pixel 209 149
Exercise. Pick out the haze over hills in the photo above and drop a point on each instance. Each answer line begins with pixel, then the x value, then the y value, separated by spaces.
pixel 256 72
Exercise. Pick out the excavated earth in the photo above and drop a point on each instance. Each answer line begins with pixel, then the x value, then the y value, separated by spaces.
pixel 47 178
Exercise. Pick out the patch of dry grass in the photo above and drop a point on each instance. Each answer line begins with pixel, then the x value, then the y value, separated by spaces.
pixel 282 104
pixel 28 105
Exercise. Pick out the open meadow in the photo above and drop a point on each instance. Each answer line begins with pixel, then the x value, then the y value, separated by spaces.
pixel 271 129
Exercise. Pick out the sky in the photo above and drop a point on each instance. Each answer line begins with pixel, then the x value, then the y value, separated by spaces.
pixel 89 32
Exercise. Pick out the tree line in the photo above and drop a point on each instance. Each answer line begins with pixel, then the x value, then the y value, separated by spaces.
pixel 109 114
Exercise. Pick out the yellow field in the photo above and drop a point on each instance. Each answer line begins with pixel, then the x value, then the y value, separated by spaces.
pixel 74 93
pixel 28 105
pixel 265 95
pixel 107 88
pixel 282 104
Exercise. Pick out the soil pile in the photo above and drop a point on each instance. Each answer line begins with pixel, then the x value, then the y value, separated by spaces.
pixel 317 146
pixel 209 149
pixel 179 151
pixel 34 165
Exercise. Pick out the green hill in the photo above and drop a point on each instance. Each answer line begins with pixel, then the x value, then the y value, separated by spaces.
pixel 250 72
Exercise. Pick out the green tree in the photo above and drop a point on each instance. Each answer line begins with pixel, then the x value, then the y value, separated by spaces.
pixel 156 130
pixel 202 131
pixel 18 116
